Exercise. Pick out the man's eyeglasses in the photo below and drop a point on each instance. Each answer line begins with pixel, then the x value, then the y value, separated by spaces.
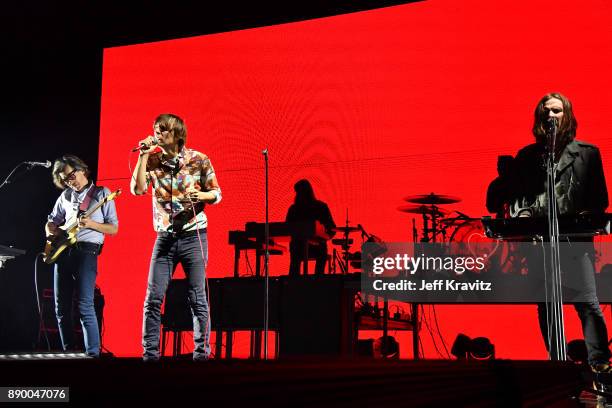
pixel 69 177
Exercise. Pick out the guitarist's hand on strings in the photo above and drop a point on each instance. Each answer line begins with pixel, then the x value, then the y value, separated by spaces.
pixel 85 222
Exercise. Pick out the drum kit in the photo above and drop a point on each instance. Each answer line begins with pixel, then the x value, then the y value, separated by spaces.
pixel 343 258
pixel 439 225
pixel 436 220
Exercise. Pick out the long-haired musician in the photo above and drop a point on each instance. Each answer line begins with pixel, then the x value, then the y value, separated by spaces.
pixel 306 208
pixel 580 188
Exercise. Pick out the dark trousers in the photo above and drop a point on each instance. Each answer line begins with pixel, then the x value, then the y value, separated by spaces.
pixel 593 329
pixel 77 270
pixel 168 252
pixel 298 254
pixel 578 278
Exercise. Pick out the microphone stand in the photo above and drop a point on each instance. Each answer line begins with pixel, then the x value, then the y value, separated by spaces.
pixel 266 259
pixel 29 166
pixel 558 347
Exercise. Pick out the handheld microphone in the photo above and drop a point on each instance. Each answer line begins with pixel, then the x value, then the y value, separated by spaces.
pixel 265 152
pixel 142 146
pixel 45 164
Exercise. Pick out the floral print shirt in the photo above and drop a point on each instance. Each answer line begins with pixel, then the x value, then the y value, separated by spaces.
pixel 173 211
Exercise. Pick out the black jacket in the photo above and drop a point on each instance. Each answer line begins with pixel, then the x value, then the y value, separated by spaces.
pixel 580 183
pixel 309 212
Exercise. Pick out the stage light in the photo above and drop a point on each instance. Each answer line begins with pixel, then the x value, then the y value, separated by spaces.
pixel 577 351
pixel 461 346
pixel 479 348
pixel 386 347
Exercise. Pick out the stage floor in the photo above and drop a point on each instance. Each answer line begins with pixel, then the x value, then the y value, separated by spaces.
pixel 300 382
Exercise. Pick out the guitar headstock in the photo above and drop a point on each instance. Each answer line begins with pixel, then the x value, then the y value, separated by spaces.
pixel 113 195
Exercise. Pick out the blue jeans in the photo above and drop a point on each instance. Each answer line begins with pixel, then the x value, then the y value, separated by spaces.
pixel 77 269
pixel 168 251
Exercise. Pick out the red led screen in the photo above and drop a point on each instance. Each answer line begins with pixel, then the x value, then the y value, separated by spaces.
pixel 370 107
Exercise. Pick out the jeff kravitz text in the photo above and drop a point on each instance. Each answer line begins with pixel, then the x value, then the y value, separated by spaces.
pixel 435 285
pixel 393 273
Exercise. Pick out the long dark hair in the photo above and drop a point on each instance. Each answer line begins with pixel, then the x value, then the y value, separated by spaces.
pixel 566 131
pixel 304 194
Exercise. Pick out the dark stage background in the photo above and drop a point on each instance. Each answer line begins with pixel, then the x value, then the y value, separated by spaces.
pixel 370 107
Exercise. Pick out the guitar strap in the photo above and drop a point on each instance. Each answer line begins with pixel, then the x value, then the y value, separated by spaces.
pixel 85 204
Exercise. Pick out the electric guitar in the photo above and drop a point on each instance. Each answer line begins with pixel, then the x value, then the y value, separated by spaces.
pixel 56 244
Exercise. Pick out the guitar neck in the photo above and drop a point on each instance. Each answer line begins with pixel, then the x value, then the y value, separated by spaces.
pixel 93 209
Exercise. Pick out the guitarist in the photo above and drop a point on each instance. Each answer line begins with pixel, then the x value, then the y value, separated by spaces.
pixel 77 267
pixel 580 188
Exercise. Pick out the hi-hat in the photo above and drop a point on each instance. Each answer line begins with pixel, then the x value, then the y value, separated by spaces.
pixel 423 209
pixel 432 199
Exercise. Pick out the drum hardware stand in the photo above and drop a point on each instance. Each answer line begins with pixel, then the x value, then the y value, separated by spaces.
pixel 345 247
pixel 335 261
pixel 434 224
pixel 425 237
pixel 339 261
pixel 364 234
pixel 429 206
pixel 415 306
pixel 343 257
pixel 430 234
pixel 343 261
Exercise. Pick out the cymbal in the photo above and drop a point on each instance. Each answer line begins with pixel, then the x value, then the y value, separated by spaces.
pixel 346 229
pixel 423 209
pixel 431 199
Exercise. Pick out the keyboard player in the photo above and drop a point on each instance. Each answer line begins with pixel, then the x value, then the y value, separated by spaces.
pixel 307 209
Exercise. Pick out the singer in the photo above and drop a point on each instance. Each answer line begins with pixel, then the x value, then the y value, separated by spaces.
pixel 77 267
pixel 580 188
pixel 183 181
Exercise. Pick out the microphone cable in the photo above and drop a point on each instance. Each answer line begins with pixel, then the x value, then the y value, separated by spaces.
pixel 41 320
